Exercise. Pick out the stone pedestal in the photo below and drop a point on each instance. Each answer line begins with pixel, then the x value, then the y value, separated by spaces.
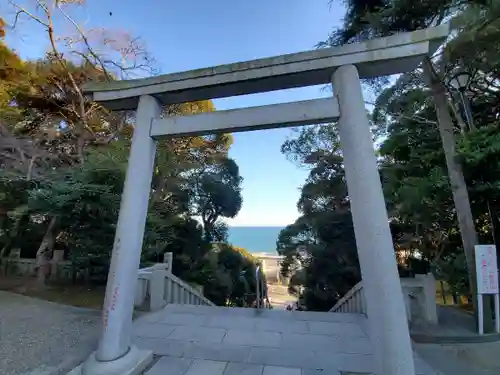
pixel 157 287
pixel 168 258
pixel 429 297
pixel 132 363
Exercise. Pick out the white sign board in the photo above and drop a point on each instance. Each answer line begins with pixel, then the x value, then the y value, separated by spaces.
pixel 486 269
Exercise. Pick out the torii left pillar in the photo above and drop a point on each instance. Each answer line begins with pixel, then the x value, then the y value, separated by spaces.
pixel 115 354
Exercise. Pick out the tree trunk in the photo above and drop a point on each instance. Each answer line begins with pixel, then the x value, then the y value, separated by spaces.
pixel 457 181
pixel 495 226
pixel 7 247
pixel 443 292
pixel 12 234
pixel 208 228
pixel 42 255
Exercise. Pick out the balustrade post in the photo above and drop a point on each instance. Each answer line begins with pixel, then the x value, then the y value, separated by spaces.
pixel 157 287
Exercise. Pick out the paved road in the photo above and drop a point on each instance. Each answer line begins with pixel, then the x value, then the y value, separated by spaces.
pixel 43 338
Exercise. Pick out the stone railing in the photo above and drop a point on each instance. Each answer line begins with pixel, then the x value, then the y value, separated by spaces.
pixel 157 287
pixel 419 294
pixel 14 265
pixel 352 302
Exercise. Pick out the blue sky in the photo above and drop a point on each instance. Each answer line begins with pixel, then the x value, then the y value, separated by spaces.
pixel 190 34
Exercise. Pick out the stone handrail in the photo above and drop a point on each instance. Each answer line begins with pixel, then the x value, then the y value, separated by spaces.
pixel 419 294
pixel 352 302
pixel 157 287
pixel 178 291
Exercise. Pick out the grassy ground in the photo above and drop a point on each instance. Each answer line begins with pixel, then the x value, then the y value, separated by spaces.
pixel 74 295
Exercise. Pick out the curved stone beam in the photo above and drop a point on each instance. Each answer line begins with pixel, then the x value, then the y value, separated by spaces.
pixel 378 57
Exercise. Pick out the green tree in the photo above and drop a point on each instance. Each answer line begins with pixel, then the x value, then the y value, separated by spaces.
pixel 365 20
pixel 233 281
pixel 215 192
pixel 320 248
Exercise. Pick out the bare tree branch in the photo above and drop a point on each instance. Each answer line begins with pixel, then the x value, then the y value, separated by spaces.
pixel 22 10
pixel 86 41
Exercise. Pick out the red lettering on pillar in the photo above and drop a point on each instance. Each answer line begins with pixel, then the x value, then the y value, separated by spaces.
pixel 114 298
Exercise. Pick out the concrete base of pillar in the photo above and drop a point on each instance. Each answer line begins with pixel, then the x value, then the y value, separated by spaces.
pixel 132 363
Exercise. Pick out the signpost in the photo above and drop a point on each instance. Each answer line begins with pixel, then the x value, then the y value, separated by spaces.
pixel 487 281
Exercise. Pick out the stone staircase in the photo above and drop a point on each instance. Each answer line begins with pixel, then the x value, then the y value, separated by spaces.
pixel 208 340
pixel 279 296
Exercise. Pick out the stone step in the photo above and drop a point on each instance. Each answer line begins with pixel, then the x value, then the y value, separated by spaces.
pixel 153 323
pixel 183 366
pixel 169 365
pixel 264 313
pixel 250 340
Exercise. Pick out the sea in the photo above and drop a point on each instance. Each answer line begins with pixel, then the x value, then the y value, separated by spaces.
pixel 255 239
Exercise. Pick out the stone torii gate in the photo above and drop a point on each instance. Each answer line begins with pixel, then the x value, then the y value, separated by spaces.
pixel 343 67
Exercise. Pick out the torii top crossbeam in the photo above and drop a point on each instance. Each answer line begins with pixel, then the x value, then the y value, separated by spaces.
pixel 378 57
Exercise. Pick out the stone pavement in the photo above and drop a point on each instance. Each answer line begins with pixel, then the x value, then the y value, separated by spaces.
pixel 454 346
pixel 455 326
pixel 43 338
pixel 202 340
pixel 462 359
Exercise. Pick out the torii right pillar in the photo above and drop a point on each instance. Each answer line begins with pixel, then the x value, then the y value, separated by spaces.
pixel 389 333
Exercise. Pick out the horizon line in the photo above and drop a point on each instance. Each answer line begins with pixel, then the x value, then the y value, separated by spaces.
pixel 256 225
